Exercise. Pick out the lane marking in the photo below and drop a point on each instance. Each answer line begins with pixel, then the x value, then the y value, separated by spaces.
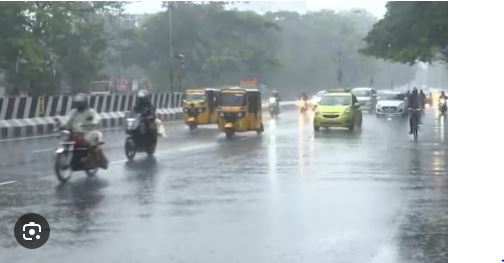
pixel 43 150
pixel 28 138
pixel 8 182
pixel 117 162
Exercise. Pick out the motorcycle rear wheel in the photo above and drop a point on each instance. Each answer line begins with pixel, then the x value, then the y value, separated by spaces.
pixel 91 172
pixel 151 148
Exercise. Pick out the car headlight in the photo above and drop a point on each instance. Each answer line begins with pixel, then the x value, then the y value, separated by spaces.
pixel 200 110
pixel 221 114
pixel 240 114
pixel 347 110
pixel 186 110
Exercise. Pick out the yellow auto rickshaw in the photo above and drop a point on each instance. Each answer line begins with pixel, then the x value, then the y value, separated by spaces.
pixel 199 106
pixel 239 110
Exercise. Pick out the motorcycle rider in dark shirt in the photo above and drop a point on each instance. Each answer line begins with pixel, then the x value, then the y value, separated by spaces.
pixel 414 103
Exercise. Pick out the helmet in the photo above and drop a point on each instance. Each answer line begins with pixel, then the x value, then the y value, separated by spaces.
pixel 415 90
pixel 80 102
pixel 143 96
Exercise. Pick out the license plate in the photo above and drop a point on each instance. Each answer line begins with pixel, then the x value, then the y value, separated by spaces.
pixel 191 119
pixel 228 125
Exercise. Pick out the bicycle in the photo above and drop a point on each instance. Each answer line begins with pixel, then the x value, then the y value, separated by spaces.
pixel 414 121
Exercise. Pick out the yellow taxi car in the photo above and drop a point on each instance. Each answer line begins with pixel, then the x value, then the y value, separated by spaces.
pixel 338 108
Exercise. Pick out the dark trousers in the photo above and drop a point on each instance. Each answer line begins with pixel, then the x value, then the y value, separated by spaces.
pixel 414 119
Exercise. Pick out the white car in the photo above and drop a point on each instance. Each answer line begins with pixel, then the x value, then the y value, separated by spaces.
pixel 366 98
pixel 391 104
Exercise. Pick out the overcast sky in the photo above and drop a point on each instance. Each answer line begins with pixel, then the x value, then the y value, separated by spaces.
pixel 375 7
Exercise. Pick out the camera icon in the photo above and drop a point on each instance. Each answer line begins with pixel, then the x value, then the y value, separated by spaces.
pixel 33 230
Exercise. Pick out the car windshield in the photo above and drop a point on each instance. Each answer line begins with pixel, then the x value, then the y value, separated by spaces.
pixel 362 93
pixel 391 97
pixel 195 97
pixel 336 100
pixel 232 99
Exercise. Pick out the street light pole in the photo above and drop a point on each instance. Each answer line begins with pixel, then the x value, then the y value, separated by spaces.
pixel 170 35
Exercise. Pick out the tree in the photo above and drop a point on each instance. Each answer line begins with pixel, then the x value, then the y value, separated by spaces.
pixel 410 32
pixel 219 46
pixel 46 42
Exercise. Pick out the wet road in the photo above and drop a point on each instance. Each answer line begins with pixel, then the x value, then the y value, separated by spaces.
pixel 286 196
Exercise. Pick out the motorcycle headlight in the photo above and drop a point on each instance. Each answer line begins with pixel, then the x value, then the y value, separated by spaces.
pixel 64 135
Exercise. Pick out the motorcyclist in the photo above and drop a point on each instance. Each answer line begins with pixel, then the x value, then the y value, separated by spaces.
pixel 445 98
pixel 304 101
pixel 84 120
pixel 274 95
pixel 423 99
pixel 304 97
pixel 143 106
pixel 414 104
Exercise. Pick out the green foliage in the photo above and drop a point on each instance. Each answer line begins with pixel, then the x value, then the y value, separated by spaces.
pixel 48 42
pixel 219 46
pixel 411 32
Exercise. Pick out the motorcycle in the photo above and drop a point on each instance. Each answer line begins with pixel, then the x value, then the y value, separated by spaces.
pixel 274 107
pixel 73 154
pixel 141 133
pixel 443 106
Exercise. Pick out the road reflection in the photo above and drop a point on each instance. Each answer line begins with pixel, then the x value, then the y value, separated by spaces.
pixel 142 173
pixel 77 205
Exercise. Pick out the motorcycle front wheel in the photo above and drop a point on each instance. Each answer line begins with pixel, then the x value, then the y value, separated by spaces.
pixel 62 167
pixel 130 149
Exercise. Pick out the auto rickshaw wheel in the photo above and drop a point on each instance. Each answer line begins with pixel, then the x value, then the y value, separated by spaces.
pixel 261 129
pixel 229 134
